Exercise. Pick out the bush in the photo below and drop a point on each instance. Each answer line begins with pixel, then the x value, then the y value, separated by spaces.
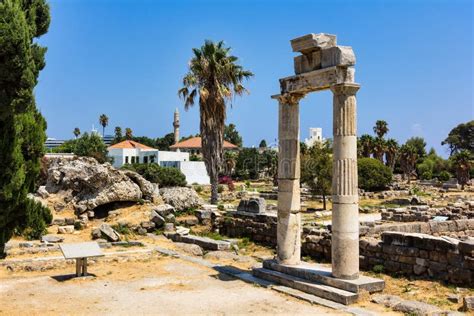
pixel 164 176
pixel 38 217
pixel 373 174
pixel 198 189
pixel 228 181
pixel 91 146
pixel 220 188
pixel 444 176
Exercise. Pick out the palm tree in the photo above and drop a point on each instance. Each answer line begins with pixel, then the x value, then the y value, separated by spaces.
pixel 366 142
pixel 391 151
pixel 230 161
pixel 380 128
pixel 76 132
pixel 128 133
pixel 118 134
pixel 408 158
pixel 462 164
pixel 104 121
pixel 215 78
pixel 379 146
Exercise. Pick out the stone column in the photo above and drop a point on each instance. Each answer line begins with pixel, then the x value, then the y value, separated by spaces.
pixel 289 218
pixel 345 210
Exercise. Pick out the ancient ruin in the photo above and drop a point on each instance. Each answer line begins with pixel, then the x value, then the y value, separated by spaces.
pixel 321 65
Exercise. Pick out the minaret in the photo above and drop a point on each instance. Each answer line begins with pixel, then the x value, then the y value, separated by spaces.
pixel 176 126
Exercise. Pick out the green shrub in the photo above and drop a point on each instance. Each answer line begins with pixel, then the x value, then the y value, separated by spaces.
pixel 122 229
pixel 37 219
pixel 198 189
pixel 378 268
pixel 444 176
pixel 164 176
pixel 373 174
pixel 427 175
pixel 220 188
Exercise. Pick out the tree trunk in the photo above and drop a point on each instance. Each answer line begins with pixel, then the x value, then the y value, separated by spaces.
pixel 214 189
pixel 324 201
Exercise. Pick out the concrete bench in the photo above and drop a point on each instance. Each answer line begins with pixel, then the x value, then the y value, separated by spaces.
pixel 80 252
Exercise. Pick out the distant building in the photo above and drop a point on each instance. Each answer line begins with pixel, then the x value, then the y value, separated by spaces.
pixel 108 139
pixel 315 136
pixel 130 152
pixel 51 143
pixel 194 146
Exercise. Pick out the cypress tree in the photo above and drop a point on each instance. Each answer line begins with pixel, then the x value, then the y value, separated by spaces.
pixel 22 127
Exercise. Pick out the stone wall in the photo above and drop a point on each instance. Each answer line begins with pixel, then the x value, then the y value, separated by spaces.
pixel 440 258
pixel 424 213
pixel 261 227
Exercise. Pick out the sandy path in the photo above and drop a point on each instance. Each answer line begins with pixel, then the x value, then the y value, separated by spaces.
pixel 157 286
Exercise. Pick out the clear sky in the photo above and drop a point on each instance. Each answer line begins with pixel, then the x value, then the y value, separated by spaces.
pixel 126 58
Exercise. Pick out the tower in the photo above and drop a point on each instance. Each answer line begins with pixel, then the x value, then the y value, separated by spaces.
pixel 176 126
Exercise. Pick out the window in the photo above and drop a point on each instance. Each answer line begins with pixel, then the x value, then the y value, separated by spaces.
pixel 152 159
pixel 126 159
pixel 145 159
pixel 133 159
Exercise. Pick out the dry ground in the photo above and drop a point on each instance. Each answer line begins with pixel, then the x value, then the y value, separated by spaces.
pixel 159 285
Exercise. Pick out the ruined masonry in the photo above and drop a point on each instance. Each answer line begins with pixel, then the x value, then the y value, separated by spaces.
pixel 321 65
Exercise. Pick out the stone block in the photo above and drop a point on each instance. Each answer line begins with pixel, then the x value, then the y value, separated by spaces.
pixel 337 56
pixel 416 308
pixel 467 247
pixel 252 205
pixel 419 270
pixel 468 303
pixel 311 42
pixel 69 229
pixel 307 62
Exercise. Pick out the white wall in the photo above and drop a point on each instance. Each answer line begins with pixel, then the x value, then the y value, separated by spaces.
pixel 172 156
pixel 195 172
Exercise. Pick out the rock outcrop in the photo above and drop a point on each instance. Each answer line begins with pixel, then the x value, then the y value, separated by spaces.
pixel 181 198
pixel 87 184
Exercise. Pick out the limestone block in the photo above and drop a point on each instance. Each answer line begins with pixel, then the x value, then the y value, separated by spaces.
pixel 289 238
pixel 337 56
pixel 307 62
pixel 311 42
pixel 69 229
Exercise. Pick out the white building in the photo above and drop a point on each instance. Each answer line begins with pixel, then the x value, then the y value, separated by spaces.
pixel 315 135
pixel 130 152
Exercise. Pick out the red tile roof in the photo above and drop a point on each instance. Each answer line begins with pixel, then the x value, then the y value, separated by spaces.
pixel 130 144
pixel 196 142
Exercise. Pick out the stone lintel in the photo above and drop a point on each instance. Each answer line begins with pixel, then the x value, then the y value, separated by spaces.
pixel 316 80
pixel 311 42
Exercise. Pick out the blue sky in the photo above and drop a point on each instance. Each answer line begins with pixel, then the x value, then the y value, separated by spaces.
pixel 126 58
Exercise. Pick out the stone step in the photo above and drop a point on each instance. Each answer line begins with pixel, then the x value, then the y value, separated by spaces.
pixel 323 275
pixel 204 242
pixel 321 290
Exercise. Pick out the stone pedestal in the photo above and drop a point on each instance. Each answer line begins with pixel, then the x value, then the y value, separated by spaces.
pixel 289 219
pixel 345 212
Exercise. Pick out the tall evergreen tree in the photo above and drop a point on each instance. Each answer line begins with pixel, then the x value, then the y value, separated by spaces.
pixel 118 134
pixel 22 127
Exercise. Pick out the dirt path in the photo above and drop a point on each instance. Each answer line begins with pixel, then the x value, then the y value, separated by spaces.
pixel 156 286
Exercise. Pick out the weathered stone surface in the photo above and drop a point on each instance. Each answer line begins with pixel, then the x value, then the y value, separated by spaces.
pixel 69 229
pixel 92 184
pixel 308 62
pixel 312 42
pixel 468 303
pixel 386 300
pixel 169 227
pixel 108 232
pixel 181 198
pixel 164 209
pixel 42 192
pixel 337 56
pixel 467 247
pixel 51 239
pixel 157 218
pixel 192 249
pixel 204 242
pixel 252 205
pixel 417 308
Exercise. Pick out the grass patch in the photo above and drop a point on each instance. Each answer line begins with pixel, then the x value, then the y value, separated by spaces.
pixel 122 229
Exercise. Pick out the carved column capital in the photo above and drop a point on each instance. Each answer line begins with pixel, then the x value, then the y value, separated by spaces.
pixel 289 98
pixel 348 89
